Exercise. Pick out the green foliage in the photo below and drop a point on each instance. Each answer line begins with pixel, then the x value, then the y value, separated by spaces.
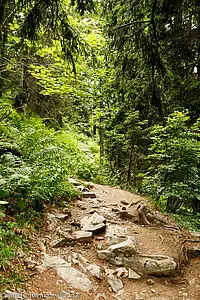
pixel 9 239
pixel 188 220
pixel 36 162
pixel 154 49
pixel 125 138
pixel 173 173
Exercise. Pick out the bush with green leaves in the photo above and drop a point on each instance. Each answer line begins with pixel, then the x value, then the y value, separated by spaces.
pixel 36 161
pixel 12 239
pixel 173 175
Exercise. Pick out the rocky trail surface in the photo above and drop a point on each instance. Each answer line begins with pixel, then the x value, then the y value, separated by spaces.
pixel 111 244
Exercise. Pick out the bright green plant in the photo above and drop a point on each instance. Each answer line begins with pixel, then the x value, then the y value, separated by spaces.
pixel 188 220
pixel 173 176
pixel 36 162
pixel 9 240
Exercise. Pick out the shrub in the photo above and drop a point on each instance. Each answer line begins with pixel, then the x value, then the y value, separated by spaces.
pixel 36 161
pixel 174 162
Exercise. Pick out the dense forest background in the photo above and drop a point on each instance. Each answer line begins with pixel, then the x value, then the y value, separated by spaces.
pixel 107 91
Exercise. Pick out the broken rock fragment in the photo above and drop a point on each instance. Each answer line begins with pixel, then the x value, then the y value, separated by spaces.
pixel 30 264
pixel 82 236
pixel 95 271
pixel 133 275
pixel 94 223
pixel 63 217
pixel 115 283
pixel 104 254
pixel 128 247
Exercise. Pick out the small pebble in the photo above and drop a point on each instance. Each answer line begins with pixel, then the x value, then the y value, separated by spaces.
pixel 150 281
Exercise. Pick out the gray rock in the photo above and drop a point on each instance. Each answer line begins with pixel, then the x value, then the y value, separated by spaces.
pixel 58 243
pixel 115 283
pixel 54 261
pixel 64 270
pixel 104 254
pixel 30 264
pixel 94 219
pixel 75 278
pixel 81 205
pixel 151 264
pixel 75 223
pixel 116 209
pixel 63 217
pixel 40 269
pixel 96 229
pixel 83 236
pixel 95 271
pixel 128 247
pixel 94 223
pixel 51 221
pixel 115 234
pixel 191 248
pixel 89 195
pixel 65 239
pixel 132 274
pixel 118 261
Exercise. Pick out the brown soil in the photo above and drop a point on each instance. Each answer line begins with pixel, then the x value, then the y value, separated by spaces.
pixel 157 239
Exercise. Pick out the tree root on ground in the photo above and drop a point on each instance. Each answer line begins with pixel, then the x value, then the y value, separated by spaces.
pixel 145 217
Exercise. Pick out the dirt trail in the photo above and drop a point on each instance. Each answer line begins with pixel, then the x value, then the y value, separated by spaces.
pixel 157 239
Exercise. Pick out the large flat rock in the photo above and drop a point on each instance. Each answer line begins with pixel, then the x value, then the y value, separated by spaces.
pixel 75 278
pixel 64 270
pixel 151 264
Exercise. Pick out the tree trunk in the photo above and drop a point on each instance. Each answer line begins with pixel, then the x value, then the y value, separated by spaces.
pixel 101 135
pixel 130 161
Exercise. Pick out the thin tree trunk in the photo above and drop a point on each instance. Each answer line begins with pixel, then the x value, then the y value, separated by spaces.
pixel 101 135
pixel 130 160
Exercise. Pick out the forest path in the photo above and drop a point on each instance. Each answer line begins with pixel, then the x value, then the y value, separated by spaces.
pixel 120 210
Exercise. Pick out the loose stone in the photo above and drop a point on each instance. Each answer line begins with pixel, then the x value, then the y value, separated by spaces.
pixel 115 284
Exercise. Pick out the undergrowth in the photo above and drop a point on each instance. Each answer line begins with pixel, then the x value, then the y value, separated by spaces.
pixel 35 164
pixel 188 220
